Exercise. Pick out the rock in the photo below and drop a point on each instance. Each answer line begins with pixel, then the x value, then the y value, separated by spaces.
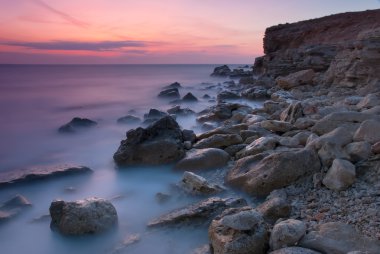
pixel 219 141
pixel 189 97
pixel 276 126
pixel 376 148
pixel 76 124
pixel 162 197
pixel 197 185
pixel 88 216
pixel 200 212
pixel 159 143
pixel 206 96
pixel 219 112
pixel 358 151
pixel 200 159
pixel 234 129
pixel 154 114
pixel 227 95
pixel 294 250
pixel 352 100
pixel 223 70
pixel 286 233
pixel 296 79
pixel 129 240
pixel 205 249
pixel 371 100
pixel 292 112
pixel 259 175
pixel 340 176
pixel 275 206
pixel 238 231
pixel 177 110
pixel 13 207
pixel 170 93
pixel 173 85
pixel 366 131
pixel 128 119
pixel 31 174
pixel 255 93
pixel 189 135
pixel 232 150
pixel 258 146
pixel 304 123
pixel 338 238
pixel 252 119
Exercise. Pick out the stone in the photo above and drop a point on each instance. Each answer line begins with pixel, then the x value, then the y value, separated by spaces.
pixel 229 234
pixel 296 79
pixel 276 126
pixel 87 216
pixel 255 93
pixel 258 146
pixel 76 124
pixel 197 185
pixel 197 213
pixel 259 175
pixel 189 97
pixel 369 101
pixel 276 206
pixel 128 119
pixel 352 100
pixel 170 93
pixel 160 143
pixel 340 176
pixel 162 197
pixel 286 233
pixel 189 135
pixel 367 131
pixel 219 141
pixel 177 110
pixel 252 119
pixel 358 151
pixel 376 148
pixel 292 112
pixel 294 250
pixel 227 95
pixel 13 207
pixel 223 70
pixel 128 240
pixel 201 159
pixel 304 123
pixel 232 150
pixel 154 114
pixel 338 238
pixel 39 173
pixel 173 85
pixel 234 129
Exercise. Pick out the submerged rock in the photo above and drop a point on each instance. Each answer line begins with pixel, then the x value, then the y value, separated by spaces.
pixel 13 207
pixel 199 159
pixel 88 216
pixel 128 119
pixel 170 93
pixel 173 85
pixel 160 143
pixel 189 97
pixel 31 174
pixel 76 124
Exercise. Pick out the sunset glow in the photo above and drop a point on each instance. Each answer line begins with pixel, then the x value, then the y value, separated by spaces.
pixel 148 31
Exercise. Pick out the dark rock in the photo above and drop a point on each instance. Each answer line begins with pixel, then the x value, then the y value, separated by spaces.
pixel 173 85
pixel 159 143
pixel 129 119
pixel 206 96
pixel 171 93
pixel 223 70
pixel 255 93
pixel 76 124
pixel 227 95
pixel 177 110
pixel 189 97
pixel 31 174
pixel 232 150
pixel 200 159
pixel 189 135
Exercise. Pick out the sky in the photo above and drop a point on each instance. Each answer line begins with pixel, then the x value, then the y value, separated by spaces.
pixel 149 31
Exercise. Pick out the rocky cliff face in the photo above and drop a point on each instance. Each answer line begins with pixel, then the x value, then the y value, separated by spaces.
pixel 346 47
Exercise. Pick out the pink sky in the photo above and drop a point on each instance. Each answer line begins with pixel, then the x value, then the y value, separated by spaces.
pixel 149 31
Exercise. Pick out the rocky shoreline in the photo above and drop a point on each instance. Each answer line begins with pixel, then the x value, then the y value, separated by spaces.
pixel 311 153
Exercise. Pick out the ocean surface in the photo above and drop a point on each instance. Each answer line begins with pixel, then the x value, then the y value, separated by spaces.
pixel 35 100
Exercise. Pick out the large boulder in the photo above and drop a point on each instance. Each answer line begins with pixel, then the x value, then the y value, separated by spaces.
pixel 340 176
pixel 219 141
pixel 296 79
pixel 367 131
pixel 76 124
pixel 286 233
pixel 199 159
pixel 239 231
pixel 339 238
pixel 161 142
pixel 88 216
pixel 259 175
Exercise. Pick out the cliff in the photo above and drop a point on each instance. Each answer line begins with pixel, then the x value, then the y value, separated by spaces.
pixel 345 48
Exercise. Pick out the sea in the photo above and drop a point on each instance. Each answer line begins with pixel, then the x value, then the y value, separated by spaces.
pixel 35 100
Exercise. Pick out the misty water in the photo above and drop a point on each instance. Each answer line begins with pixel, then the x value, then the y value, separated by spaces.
pixel 36 100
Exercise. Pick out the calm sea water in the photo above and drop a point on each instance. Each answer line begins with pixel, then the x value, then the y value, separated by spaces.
pixel 36 100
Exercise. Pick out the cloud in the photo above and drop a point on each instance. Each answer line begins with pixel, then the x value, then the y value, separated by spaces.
pixel 61 14
pixel 83 46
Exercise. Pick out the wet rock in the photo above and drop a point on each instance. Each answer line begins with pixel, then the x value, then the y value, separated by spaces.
pixel 223 70
pixel 286 233
pixel 292 112
pixel 219 112
pixel 76 124
pixel 219 141
pixel 88 216
pixel 189 97
pixel 128 119
pixel 252 119
pixel 171 93
pixel 197 185
pixel 31 174
pixel 177 110
pixel 276 126
pixel 200 212
pixel 227 95
pixel 13 207
pixel 338 238
pixel 276 206
pixel 200 159
pixel 294 250
pixel 232 150
pixel 206 96
pixel 159 143
pixel 358 151
pixel 296 79
pixel 366 131
pixel 258 146
pixel 340 176
pixel 238 231
pixel 259 175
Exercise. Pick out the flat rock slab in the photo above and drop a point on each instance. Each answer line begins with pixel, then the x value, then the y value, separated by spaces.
pixel 202 211
pixel 38 173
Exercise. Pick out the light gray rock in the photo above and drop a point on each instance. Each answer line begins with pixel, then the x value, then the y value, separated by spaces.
pixel 243 220
pixel 88 216
pixel 219 141
pixel 340 176
pixel 199 159
pixel 197 185
pixel 276 206
pixel 296 79
pixel 367 131
pixel 258 146
pixel 286 233
pixel 276 126
pixel 338 238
